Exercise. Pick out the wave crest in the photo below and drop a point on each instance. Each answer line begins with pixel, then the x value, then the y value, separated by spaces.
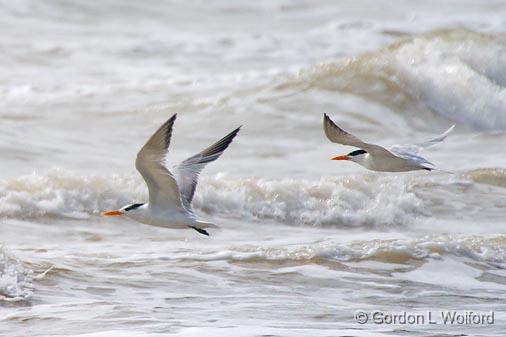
pixel 64 194
pixel 458 74
pixel 489 250
pixel 368 200
pixel 494 176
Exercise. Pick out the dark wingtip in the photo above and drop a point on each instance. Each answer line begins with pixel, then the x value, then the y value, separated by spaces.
pixel 223 143
pixel 228 138
pixel 327 119
pixel 327 124
pixel 200 230
pixel 236 130
pixel 168 129
pixel 171 120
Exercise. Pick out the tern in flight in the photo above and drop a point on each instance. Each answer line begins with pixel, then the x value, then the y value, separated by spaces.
pixel 398 158
pixel 170 193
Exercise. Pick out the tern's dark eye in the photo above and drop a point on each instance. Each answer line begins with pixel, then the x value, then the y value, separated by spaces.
pixel 133 206
pixel 356 153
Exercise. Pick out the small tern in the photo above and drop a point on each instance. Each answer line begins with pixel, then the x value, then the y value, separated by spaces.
pixel 398 158
pixel 171 193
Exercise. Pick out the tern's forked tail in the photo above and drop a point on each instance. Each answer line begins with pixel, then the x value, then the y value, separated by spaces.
pixel 204 224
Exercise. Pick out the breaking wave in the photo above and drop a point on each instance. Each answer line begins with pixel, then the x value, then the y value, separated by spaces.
pixel 494 177
pixel 476 248
pixel 368 200
pixel 457 74
pixel 60 193
pixel 365 200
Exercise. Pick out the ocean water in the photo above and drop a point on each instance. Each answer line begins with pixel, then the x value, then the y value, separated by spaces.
pixel 304 242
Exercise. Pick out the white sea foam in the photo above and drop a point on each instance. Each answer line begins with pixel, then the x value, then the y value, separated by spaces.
pixel 459 74
pixel 449 272
pixel 487 249
pixel 369 200
pixel 15 280
pixel 61 193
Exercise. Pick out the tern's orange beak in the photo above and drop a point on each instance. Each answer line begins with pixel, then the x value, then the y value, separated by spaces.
pixel 111 213
pixel 344 157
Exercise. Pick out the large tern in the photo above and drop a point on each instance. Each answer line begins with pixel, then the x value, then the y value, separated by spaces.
pixel 398 158
pixel 170 193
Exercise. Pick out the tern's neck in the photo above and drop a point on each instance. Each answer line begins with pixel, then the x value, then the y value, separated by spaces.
pixel 363 160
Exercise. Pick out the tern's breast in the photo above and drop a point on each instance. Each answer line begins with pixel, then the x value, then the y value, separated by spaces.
pixel 389 164
pixel 169 218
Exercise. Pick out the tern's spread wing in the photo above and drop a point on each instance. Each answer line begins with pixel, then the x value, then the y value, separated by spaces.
pixel 337 135
pixel 414 149
pixel 412 157
pixel 163 188
pixel 187 172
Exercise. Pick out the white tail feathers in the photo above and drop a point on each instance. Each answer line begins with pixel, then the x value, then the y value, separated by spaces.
pixel 203 224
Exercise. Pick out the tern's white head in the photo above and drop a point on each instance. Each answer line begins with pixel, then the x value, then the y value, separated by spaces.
pixel 133 211
pixel 357 156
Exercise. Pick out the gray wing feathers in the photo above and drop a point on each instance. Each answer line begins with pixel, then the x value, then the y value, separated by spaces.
pixel 160 140
pixel 417 148
pixel 437 139
pixel 188 171
pixel 163 189
pixel 337 135
pixel 410 156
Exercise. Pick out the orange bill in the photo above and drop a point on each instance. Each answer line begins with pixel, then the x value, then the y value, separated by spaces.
pixel 111 213
pixel 343 157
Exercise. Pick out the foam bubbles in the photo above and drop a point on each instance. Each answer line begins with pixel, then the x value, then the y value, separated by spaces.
pixel 15 281
pixel 486 249
pixel 347 201
pixel 64 194
pixel 370 200
pixel 458 74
